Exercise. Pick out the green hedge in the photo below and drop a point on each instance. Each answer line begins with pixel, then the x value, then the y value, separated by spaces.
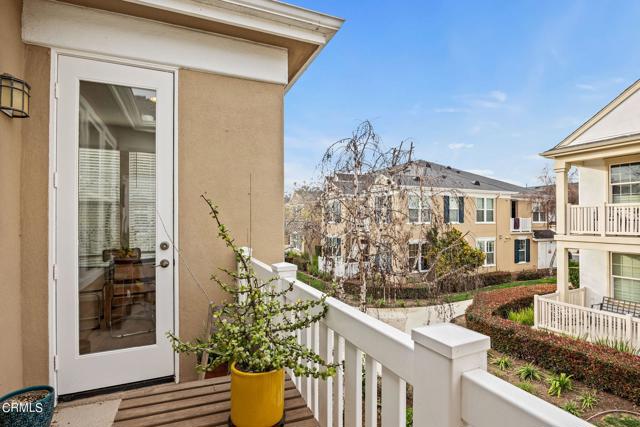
pixel 600 367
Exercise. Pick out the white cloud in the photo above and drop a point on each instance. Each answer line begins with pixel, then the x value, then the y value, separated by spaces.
pixel 585 86
pixel 498 95
pixel 459 146
pixel 597 85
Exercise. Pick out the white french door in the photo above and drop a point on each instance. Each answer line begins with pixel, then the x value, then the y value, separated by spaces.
pixel 114 224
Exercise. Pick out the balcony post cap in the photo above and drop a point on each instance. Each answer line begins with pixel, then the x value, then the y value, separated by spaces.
pixel 451 341
pixel 283 267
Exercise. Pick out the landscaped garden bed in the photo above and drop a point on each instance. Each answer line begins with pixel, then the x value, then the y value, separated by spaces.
pixel 596 366
pixel 582 400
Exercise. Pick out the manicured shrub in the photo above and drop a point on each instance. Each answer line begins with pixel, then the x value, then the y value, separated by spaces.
pixel 496 278
pixel 599 367
pixel 531 274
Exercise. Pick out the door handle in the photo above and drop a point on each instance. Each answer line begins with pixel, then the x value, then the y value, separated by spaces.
pixel 164 263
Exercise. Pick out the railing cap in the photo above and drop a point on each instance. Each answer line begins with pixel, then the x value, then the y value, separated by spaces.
pixel 449 340
pixel 283 267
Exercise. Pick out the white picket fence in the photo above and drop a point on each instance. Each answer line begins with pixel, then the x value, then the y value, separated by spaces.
pixel 619 219
pixel 572 318
pixel 445 364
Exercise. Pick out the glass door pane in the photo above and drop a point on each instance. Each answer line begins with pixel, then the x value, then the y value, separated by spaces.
pixel 116 217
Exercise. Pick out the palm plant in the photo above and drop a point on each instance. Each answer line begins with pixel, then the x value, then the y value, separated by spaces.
pixel 559 383
pixel 529 372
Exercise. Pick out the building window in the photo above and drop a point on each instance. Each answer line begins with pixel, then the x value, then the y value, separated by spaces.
pixel 295 241
pixel 625 183
pixel 382 209
pixel 485 211
pixel 522 250
pixel 625 270
pixel 539 215
pixel 383 259
pixel 419 209
pixel 334 211
pixel 454 209
pixel 488 247
pixel 418 256
pixel 414 251
pixel 333 247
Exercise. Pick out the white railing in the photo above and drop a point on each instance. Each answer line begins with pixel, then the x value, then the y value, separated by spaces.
pixel 445 364
pixel 617 219
pixel 572 318
pixel 584 219
pixel 623 219
pixel 521 225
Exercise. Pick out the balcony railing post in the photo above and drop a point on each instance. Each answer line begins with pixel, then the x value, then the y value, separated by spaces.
pixel 602 219
pixel 442 353
pixel 285 270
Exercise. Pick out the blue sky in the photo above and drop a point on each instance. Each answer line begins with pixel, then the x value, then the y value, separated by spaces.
pixel 479 85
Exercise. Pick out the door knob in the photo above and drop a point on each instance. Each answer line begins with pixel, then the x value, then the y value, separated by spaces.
pixel 164 263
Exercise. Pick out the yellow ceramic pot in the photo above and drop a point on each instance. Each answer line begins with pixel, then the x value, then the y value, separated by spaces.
pixel 257 400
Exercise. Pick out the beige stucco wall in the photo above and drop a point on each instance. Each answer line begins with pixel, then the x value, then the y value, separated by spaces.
pixel 34 202
pixel 228 129
pixel 500 229
pixel 11 61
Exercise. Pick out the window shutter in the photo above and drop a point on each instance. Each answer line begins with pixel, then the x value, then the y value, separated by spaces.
pixel 461 210
pixel 528 250
pixel 516 258
pixel 446 209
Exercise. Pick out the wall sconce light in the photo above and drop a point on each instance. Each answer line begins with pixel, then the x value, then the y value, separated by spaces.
pixel 14 96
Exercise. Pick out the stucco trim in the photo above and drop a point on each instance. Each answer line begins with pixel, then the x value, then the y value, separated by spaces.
pixel 66 26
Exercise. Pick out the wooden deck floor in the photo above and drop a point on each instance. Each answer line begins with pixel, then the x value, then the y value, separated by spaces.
pixel 197 403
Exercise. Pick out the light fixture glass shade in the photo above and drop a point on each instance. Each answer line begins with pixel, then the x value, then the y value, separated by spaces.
pixel 14 96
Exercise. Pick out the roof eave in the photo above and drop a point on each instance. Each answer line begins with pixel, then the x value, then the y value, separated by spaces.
pixel 266 16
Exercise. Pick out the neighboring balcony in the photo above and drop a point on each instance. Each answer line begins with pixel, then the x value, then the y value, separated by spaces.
pixel 619 219
pixel 521 225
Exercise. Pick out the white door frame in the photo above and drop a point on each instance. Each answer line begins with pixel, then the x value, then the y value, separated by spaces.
pixel 53 198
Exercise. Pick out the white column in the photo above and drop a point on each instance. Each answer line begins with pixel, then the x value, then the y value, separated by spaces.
pixel 562 197
pixel 562 271
pixel 442 353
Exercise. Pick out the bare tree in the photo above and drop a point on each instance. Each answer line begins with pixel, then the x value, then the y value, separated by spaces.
pixel 368 230
pixel 545 193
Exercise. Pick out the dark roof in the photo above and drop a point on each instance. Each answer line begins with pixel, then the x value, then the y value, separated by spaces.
pixel 421 172
pixel 543 234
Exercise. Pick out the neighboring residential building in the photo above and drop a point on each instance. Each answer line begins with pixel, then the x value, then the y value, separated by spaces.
pixel 302 220
pixel 136 109
pixel 604 226
pixel 498 217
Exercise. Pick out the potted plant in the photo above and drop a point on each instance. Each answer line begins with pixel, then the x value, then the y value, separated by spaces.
pixel 27 407
pixel 255 333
